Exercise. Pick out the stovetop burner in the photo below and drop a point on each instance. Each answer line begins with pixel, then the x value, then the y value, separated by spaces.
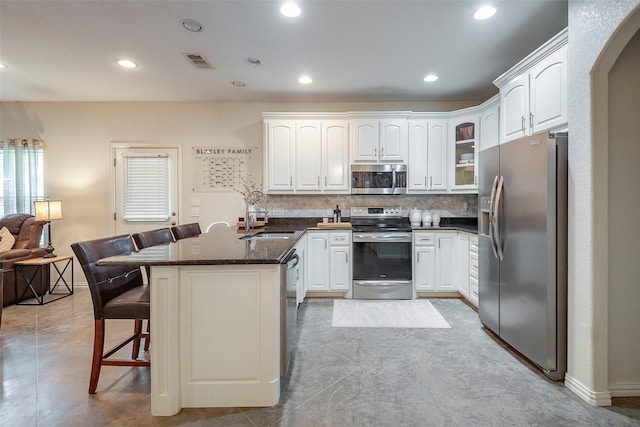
pixel 378 219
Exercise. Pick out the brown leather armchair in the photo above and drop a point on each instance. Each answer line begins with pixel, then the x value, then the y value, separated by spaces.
pixel 27 232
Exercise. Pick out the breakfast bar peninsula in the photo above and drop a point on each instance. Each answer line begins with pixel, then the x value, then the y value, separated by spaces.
pixel 217 319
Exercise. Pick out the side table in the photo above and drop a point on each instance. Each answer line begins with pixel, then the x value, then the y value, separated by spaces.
pixel 40 264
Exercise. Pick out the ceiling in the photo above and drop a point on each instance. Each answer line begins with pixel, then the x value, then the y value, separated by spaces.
pixel 360 50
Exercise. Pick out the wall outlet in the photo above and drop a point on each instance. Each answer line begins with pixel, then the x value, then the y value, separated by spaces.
pixel 195 212
pixel 195 201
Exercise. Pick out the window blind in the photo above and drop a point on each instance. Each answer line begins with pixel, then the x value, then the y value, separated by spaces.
pixel 146 188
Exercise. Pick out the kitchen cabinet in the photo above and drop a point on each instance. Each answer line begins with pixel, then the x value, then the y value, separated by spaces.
pixel 306 156
pixel 490 125
pixel 339 261
pixel 534 92
pixel 463 264
pixel 473 269
pixel 427 160
pixel 335 155
pixel 329 265
pixel 280 155
pixel 322 156
pixel 301 251
pixel 379 140
pixel 424 262
pixel 464 146
pixel 434 261
pixel 446 261
pixel 308 144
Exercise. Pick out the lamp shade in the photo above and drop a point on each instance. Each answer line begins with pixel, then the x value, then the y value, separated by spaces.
pixel 48 210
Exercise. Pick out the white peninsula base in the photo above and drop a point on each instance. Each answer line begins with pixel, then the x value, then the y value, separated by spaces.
pixel 215 336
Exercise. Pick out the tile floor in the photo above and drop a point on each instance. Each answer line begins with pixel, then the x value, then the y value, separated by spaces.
pixel 341 377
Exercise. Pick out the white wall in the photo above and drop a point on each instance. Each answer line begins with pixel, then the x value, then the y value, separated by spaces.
pixel 78 137
pixel 593 25
pixel 624 207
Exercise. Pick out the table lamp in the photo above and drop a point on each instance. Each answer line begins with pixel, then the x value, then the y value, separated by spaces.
pixel 48 210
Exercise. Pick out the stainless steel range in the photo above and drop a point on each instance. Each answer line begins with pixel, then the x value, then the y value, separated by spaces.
pixel 381 253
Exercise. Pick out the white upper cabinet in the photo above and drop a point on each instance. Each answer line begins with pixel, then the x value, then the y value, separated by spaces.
pixel 379 140
pixel 548 92
pixel 464 145
pixel 335 155
pixel 280 154
pixel 534 92
pixel 427 160
pixel 306 156
pixel 490 126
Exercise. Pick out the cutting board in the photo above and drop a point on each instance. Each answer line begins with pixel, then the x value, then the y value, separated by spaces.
pixel 334 225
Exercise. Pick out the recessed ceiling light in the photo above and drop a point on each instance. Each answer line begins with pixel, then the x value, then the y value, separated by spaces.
pixel 290 10
pixel 253 61
pixel 238 84
pixel 191 25
pixel 127 63
pixel 431 78
pixel 3 66
pixel 305 80
pixel 484 12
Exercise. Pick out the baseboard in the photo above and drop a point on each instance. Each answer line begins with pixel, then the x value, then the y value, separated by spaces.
pixel 593 398
pixel 624 390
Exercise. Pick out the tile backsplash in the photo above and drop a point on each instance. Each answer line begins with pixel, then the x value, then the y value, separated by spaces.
pixel 446 205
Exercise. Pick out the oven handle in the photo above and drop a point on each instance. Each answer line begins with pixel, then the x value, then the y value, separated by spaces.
pixel 382 237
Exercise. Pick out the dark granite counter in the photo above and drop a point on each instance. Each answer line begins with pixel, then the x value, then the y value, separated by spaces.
pixel 466 224
pixel 224 246
pixel 220 247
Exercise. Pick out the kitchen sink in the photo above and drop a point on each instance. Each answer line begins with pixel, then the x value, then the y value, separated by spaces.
pixel 270 235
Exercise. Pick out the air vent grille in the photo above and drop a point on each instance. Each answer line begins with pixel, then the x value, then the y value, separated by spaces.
pixel 197 60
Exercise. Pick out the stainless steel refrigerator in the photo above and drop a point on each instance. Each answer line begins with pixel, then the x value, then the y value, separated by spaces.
pixel 523 247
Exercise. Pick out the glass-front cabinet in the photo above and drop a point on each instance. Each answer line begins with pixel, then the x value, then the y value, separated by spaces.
pixel 464 153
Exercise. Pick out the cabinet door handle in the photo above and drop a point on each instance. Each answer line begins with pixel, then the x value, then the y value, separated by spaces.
pixel 418 260
pixel 531 120
pixel 375 151
pixel 290 181
pixel 382 151
pixel 318 181
pixel 522 123
pixel 347 257
pixel 430 181
pixel 325 243
pixel 425 180
pixel 325 180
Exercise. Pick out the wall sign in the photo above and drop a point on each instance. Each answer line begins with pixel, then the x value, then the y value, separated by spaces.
pixel 224 168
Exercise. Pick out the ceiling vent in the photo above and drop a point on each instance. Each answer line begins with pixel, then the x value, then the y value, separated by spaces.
pixel 197 60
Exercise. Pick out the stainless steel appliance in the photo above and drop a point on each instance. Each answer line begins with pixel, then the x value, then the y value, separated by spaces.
pixel 381 253
pixel 378 179
pixel 523 247
pixel 288 311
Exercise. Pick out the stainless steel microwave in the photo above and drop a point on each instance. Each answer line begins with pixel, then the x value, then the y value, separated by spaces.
pixel 378 179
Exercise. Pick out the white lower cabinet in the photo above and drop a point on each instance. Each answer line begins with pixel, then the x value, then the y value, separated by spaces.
pixel 473 269
pixel 463 264
pixel 434 261
pixel 329 261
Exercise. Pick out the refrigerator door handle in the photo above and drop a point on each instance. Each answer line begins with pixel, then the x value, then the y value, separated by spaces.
pixel 491 213
pixel 496 217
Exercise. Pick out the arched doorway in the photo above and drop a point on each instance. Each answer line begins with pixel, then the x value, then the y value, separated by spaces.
pixel 623 174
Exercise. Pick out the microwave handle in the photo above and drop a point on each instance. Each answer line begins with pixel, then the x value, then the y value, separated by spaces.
pixel 393 179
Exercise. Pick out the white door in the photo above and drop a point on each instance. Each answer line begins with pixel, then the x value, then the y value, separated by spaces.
pixel 445 262
pixel 549 92
pixel 437 155
pixel 418 156
pixel 318 265
pixel 280 151
pixel 145 188
pixel 335 147
pixel 393 140
pixel 514 109
pixel 339 268
pixel 309 155
pixel 366 138
pixel 424 268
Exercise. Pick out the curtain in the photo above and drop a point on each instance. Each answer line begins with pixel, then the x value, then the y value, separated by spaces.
pixel 22 167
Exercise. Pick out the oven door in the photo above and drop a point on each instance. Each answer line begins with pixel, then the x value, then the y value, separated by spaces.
pixel 382 266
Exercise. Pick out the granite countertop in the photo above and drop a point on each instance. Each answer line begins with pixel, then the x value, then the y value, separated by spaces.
pixel 224 246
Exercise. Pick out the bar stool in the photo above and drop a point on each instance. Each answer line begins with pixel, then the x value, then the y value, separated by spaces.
pixel 186 230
